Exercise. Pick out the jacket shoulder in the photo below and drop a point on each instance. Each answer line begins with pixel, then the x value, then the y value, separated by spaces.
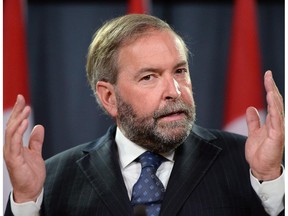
pixel 217 136
pixel 79 151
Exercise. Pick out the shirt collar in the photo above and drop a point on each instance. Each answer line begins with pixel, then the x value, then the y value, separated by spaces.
pixel 129 151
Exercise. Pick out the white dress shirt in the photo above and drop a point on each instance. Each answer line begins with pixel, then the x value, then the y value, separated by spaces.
pixel 271 193
pixel 128 152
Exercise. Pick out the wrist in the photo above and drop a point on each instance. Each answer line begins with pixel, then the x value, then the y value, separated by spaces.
pixel 267 176
pixel 23 198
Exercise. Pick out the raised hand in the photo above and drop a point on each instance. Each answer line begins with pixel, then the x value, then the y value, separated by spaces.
pixel 265 143
pixel 25 165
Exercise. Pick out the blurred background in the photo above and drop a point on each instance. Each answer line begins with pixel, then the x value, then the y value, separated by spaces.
pixel 58 34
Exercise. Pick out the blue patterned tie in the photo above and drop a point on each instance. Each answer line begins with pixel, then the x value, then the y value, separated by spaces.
pixel 149 190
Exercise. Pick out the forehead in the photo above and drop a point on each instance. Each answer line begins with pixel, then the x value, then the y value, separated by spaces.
pixel 154 43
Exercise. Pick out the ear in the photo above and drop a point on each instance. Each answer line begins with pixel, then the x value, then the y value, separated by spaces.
pixel 107 97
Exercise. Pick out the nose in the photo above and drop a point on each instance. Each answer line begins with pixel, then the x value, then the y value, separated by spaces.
pixel 172 89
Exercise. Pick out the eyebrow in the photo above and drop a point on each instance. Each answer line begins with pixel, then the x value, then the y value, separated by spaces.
pixel 181 64
pixel 152 69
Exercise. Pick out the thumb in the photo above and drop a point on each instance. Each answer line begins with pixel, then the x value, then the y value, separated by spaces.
pixel 252 119
pixel 37 138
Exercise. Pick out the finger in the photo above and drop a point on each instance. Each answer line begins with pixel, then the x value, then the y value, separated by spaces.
pixel 269 76
pixel 15 144
pixel 19 113
pixel 17 109
pixel 15 131
pixel 37 138
pixel 15 124
pixel 252 119
pixel 270 86
pixel 275 116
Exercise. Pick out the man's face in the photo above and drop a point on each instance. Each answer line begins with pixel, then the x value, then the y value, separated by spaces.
pixel 155 106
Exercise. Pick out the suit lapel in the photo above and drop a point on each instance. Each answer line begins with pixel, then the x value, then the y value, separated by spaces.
pixel 101 167
pixel 192 161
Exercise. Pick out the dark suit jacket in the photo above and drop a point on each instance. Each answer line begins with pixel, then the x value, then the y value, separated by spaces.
pixel 210 177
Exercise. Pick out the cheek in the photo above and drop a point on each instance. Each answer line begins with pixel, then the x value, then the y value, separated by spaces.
pixel 187 95
pixel 140 99
pixel 146 104
pixel 143 102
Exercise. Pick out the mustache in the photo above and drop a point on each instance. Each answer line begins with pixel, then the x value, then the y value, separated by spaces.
pixel 173 108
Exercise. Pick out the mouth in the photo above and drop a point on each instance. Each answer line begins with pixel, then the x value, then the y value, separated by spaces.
pixel 172 116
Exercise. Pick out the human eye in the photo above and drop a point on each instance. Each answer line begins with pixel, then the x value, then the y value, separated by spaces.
pixel 181 70
pixel 147 77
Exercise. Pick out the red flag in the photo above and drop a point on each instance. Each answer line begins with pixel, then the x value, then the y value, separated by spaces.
pixel 244 83
pixel 15 67
pixel 138 6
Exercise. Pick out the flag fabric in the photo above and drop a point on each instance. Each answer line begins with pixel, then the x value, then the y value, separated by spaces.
pixel 139 6
pixel 244 86
pixel 15 68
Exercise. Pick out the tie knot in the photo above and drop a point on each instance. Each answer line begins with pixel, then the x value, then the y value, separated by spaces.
pixel 150 159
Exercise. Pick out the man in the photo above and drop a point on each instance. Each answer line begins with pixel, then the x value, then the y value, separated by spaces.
pixel 138 69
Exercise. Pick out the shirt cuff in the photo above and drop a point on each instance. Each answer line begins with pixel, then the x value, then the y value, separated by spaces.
pixel 30 208
pixel 271 193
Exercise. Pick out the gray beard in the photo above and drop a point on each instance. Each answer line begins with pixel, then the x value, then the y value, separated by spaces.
pixel 151 134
